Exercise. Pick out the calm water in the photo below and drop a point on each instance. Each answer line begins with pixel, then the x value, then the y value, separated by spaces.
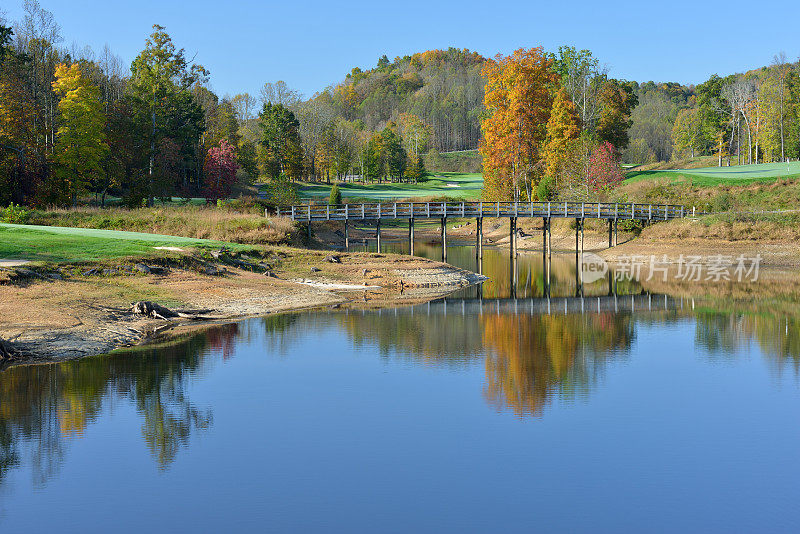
pixel 466 415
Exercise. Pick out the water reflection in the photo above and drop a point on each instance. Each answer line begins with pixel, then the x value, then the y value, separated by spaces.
pixel 44 407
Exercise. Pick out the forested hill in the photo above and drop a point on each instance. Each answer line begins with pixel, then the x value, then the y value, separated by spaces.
pixel 443 88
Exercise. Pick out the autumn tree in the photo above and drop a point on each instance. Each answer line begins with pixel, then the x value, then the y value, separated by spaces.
pixel 604 171
pixel 220 170
pixel 81 145
pixel 562 128
pixel 518 100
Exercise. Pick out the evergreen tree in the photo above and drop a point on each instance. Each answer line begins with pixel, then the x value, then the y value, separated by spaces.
pixel 160 84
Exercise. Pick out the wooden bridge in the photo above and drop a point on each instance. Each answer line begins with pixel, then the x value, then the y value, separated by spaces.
pixel 613 212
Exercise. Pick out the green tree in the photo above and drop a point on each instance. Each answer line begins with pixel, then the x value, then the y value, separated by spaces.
pixel 617 100
pixel 335 197
pixel 81 145
pixel 280 152
pixel 687 133
pixel 393 153
pixel 160 84
pixel 374 163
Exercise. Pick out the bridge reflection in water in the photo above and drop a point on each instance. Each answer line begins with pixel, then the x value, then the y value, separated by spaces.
pixel 536 306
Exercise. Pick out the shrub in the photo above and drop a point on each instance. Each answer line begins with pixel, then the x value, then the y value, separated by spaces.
pixel 544 189
pixel 722 202
pixel 14 214
pixel 282 192
pixel 336 196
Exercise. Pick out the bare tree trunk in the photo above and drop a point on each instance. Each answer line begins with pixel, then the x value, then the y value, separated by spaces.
pixel 749 140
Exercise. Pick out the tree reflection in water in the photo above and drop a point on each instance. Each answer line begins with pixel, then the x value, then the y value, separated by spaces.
pixel 42 407
pixel 529 359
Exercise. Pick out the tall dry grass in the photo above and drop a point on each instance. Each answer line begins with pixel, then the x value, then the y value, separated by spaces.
pixel 187 221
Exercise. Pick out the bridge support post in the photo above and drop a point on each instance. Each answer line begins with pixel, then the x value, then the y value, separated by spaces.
pixel 513 237
pixel 411 236
pixel 546 236
pixel 610 233
pixel 479 238
pixel 546 271
pixel 378 235
pixel 615 232
pixel 578 236
pixel 444 239
pixel 346 234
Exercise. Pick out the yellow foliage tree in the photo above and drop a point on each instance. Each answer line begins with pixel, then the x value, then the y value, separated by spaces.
pixel 562 127
pixel 81 143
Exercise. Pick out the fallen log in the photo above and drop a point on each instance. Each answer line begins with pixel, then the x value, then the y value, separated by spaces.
pixel 6 352
pixel 157 311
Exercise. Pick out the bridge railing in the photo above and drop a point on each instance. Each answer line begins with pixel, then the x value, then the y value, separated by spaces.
pixel 426 210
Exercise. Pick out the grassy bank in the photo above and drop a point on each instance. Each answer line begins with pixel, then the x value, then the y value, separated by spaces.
pixel 57 244
pixel 714 176
pixel 461 186
pixel 196 222
pixel 769 194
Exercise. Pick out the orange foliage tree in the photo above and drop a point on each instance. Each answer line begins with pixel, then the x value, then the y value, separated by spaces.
pixel 518 99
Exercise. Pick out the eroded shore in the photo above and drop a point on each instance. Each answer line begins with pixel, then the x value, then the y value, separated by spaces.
pixel 52 314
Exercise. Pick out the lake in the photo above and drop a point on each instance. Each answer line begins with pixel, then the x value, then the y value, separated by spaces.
pixel 605 407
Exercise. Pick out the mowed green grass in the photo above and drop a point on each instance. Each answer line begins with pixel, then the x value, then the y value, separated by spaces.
pixel 712 176
pixel 460 186
pixel 61 244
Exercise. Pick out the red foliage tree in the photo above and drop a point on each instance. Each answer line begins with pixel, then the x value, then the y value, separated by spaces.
pixel 220 170
pixel 604 169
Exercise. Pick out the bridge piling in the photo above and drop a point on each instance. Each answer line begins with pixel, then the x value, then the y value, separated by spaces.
pixel 513 237
pixel 411 236
pixel 346 235
pixel 444 239
pixel 610 233
pixel 479 238
pixel 546 236
pixel 378 236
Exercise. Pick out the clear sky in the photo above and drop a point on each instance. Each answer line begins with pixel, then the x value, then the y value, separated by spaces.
pixel 310 45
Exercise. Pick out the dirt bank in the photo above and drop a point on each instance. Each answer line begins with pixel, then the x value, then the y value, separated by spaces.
pixel 53 313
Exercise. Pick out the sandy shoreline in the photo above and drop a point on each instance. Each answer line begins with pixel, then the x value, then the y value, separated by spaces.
pixel 50 320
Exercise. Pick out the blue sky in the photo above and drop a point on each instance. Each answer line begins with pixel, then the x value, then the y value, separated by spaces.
pixel 245 43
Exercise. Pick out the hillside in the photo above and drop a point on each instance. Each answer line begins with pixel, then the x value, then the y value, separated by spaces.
pixel 444 88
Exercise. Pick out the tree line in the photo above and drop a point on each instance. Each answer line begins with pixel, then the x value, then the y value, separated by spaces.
pixel 74 122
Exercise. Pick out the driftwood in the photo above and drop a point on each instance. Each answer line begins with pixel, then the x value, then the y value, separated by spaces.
pixel 6 352
pixel 157 311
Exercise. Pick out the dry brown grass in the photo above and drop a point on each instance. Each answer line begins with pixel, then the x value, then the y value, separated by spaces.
pixel 187 221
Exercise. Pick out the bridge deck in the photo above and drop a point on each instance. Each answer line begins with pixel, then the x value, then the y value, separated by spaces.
pixel 438 210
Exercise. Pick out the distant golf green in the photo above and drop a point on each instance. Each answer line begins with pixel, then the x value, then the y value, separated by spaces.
pixel 453 185
pixel 711 176
pixel 53 243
